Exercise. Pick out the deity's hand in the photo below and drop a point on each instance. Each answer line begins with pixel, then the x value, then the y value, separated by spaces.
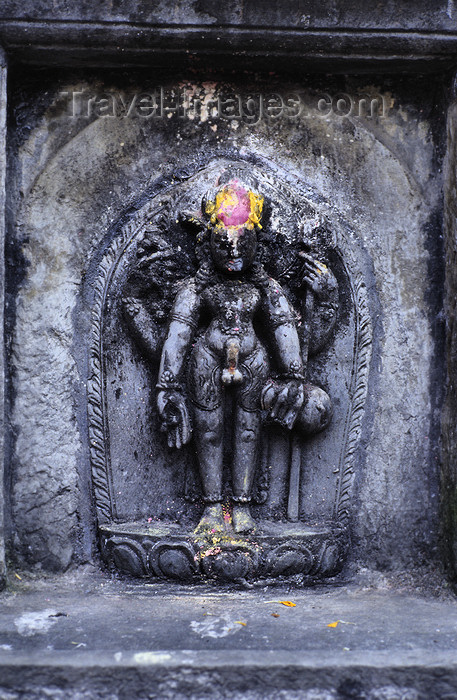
pixel 318 277
pixel 131 306
pixel 283 400
pixel 175 417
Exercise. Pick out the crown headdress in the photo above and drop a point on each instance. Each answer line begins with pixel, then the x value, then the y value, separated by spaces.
pixel 235 207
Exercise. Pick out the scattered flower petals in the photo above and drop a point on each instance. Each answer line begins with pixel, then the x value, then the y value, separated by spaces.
pixel 238 622
pixel 19 577
pixel 288 603
pixel 343 622
pixel 274 614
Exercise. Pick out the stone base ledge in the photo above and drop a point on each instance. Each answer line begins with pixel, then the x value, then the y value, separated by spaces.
pixel 87 636
pixel 240 674
pixel 276 550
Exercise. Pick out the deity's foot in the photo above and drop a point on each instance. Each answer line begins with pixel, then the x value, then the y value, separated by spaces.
pixel 242 520
pixel 212 520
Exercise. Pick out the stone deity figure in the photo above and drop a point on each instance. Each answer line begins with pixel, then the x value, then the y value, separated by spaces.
pixel 220 376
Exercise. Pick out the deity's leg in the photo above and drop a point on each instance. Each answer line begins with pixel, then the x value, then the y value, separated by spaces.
pixel 208 437
pixel 206 395
pixel 246 436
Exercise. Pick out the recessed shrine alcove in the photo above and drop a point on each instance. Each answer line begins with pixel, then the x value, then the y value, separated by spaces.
pixel 228 283
pixel 103 189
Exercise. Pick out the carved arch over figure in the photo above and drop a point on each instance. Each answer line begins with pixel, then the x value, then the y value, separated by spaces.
pixel 122 422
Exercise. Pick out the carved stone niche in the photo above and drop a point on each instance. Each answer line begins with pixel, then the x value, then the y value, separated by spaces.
pixel 264 365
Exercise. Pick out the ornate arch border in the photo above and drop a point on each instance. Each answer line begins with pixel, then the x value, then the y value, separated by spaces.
pixel 348 248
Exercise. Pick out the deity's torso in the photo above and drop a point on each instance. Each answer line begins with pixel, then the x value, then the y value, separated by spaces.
pixel 232 305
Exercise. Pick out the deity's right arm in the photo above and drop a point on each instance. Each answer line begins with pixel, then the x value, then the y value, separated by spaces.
pixel 183 321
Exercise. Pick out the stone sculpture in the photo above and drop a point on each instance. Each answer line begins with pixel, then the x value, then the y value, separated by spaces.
pixel 229 362
pixel 227 311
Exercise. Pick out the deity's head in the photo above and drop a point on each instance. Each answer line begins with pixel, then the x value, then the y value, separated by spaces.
pixel 234 215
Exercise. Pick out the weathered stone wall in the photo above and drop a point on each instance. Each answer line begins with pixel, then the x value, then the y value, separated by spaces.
pixel 449 438
pixel 73 177
pixel 424 15
pixel 3 73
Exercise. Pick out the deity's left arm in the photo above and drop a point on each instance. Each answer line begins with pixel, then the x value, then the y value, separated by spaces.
pixel 281 321
pixel 283 396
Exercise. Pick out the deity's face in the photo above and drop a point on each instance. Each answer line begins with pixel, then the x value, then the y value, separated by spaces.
pixel 234 215
pixel 233 252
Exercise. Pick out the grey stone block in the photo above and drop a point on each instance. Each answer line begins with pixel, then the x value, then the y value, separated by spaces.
pixel 89 637
pixel 79 175
pixel 71 182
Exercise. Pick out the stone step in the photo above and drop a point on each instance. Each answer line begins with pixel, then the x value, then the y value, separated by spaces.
pixel 88 636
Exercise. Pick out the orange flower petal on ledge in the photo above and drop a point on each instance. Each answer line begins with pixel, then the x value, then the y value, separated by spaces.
pixel 288 603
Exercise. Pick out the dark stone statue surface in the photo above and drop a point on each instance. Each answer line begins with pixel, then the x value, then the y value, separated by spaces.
pixel 228 360
pixel 228 436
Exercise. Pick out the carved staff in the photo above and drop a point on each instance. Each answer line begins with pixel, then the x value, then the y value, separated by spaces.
pixel 295 460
